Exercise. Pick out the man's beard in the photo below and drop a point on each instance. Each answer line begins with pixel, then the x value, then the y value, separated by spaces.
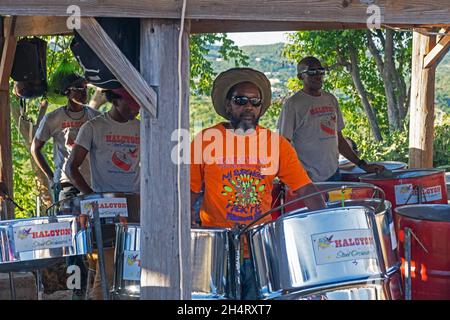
pixel 243 124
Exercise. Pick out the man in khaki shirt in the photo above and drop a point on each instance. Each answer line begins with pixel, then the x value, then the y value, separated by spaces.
pixel 312 121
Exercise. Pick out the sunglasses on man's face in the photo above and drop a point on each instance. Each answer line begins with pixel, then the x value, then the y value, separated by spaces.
pixel 313 72
pixel 243 100
pixel 78 89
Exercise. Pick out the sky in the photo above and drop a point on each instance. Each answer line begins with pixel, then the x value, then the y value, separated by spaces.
pixel 255 38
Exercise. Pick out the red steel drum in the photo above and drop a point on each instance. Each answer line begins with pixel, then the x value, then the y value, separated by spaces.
pixel 353 190
pixel 447 182
pixel 353 174
pixel 403 187
pixel 430 272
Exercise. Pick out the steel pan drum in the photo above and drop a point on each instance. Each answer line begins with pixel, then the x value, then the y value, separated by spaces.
pixel 353 174
pixel 303 251
pixel 113 204
pixel 35 243
pixel 353 190
pixel 430 271
pixel 214 263
pixel 386 288
pixel 127 262
pixel 385 227
pixel 404 185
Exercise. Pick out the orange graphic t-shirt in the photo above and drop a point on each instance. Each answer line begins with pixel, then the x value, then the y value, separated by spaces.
pixel 237 173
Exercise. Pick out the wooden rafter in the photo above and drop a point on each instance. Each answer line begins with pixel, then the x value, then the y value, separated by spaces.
pixel 344 11
pixel 438 52
pixel 41 26
pixel 118 64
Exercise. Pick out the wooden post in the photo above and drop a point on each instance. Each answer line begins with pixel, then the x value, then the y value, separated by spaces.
pixel 9 48
pixel 421 127
pixel 165 255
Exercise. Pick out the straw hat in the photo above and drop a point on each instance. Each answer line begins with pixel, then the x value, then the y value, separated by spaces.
pixel 227 79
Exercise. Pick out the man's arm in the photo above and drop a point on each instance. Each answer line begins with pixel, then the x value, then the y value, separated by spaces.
pixel 76 159
pixel 348 152
pixel 314 202
pixel 36 152
pixel 195 219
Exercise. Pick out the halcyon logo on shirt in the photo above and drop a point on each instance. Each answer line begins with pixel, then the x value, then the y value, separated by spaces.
pixel 122 139
pixel 71 124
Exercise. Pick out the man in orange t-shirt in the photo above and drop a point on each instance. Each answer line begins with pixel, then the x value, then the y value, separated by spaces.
pixel 235 162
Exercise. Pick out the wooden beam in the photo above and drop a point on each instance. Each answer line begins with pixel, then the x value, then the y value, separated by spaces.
pixel 212 26
pixel 118 64
pixel 421 127
pixel 433 58
pixel 162 247
pixel 45 25
pixel 6 165
pixel 344 11
pixel 41 26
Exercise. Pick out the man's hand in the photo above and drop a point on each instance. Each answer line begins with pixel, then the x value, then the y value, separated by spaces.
pixel 123 221
pixel 372 168
pixel 195 219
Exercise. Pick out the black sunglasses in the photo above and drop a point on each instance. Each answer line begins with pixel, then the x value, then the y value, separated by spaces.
pixel 78 89
pixel 243 100
pixel 313 72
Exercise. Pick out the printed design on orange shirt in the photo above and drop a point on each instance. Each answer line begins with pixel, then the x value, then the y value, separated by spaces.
pixel 244 190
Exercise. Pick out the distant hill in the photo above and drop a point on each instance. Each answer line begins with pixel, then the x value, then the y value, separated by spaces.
pixel 265 58
pixel 268 59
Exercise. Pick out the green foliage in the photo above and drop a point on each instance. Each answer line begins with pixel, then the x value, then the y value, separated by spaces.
pixel 204 50
pixel 441 143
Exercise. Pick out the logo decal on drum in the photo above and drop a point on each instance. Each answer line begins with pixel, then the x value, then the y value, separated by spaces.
pixel 131 265
pixel 325 242
pixel 132 259
pixel 24 233
pixel 345 245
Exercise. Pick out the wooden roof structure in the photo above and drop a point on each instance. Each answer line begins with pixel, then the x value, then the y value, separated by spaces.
pixel 165 29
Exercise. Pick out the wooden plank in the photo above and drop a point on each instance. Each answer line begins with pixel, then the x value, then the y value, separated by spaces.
pixel 421 127
pixel 212 26
pixel 118 64
pixel 41 26
pixel 6 165
pixel 45 25
pixel 399 11
pixel 437 53
pixel 162 246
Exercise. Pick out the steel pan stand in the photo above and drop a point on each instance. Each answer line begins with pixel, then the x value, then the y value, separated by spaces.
pixel 12 287
pixel 101 255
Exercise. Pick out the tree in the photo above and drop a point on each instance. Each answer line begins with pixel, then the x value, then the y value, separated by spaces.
pixel 374 78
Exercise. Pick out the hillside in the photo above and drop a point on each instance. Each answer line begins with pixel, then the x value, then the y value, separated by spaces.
pixel 268 58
